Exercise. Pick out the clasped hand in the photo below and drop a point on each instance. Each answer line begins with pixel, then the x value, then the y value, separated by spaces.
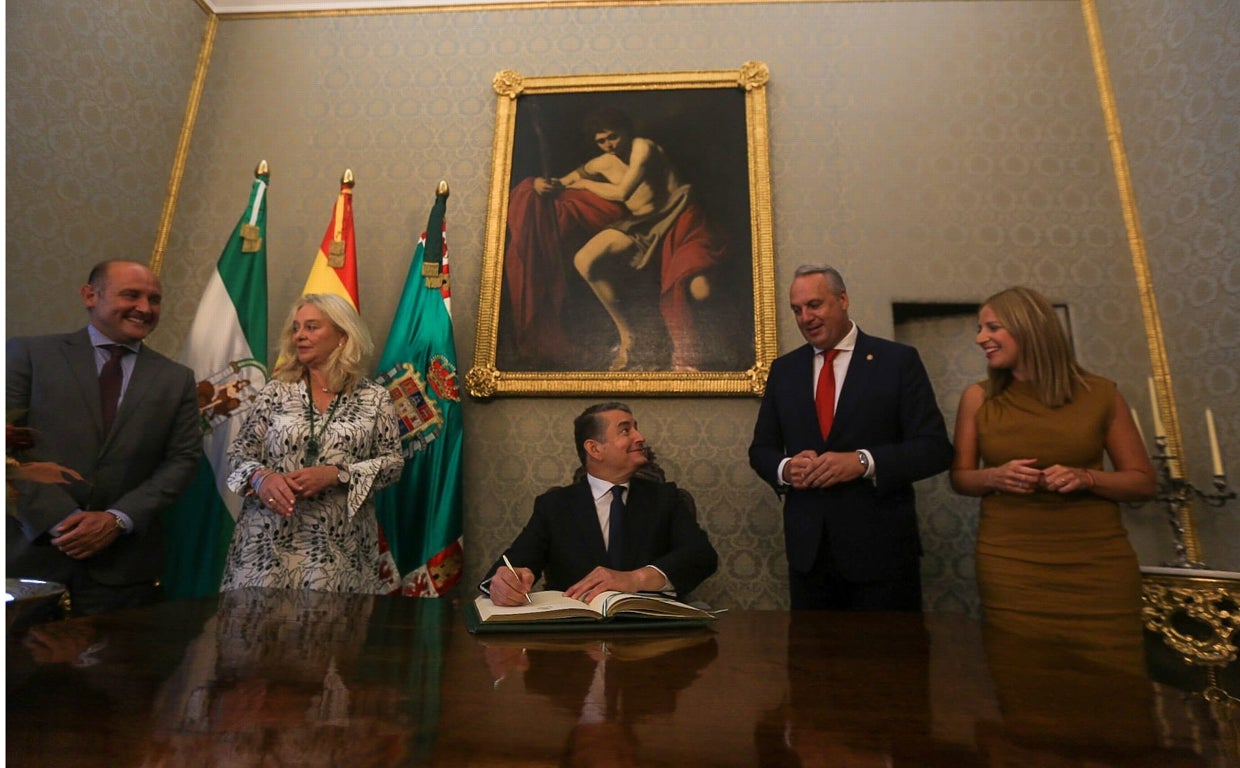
pixel 83 534
pixel 1021 477
pixel 279 492
pixel 809 469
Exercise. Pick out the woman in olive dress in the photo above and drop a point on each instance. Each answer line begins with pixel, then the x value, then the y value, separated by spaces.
pixel 1030 441
pixel 1059 581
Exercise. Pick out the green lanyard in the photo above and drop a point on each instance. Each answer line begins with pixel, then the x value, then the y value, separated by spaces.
pixel 312 444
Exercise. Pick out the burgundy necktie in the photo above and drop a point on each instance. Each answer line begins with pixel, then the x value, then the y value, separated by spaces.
pixel 824 397
pixel 110 378
pixel 615 524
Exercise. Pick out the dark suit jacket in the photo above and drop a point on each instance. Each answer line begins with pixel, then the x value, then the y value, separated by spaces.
pixel 140 467
pixel 887 407
pixel 563 540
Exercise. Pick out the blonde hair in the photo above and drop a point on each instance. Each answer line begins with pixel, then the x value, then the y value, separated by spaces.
pixel 345 366
pixel 1042 344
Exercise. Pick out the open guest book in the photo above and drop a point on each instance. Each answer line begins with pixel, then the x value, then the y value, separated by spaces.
pixel 552 611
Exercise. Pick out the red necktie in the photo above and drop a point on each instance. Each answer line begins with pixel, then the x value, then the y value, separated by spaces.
pixel 110 378
pixel 824 397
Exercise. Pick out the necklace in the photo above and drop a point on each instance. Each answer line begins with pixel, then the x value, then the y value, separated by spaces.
pixel 315 438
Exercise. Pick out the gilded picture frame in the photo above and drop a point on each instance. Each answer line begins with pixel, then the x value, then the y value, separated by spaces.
pixel 628 244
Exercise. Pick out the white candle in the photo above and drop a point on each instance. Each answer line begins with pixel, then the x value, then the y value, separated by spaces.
pixel 1215 457
pixel 1158 425
pixel 1140 434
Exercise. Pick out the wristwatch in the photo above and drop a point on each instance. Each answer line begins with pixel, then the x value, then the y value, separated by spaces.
pixel 343 475
pixel 865 462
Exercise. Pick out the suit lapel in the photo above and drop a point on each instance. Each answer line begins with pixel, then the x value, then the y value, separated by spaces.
pixel 139 386
pixel 145 376
pixel 636 501
pixel 80 359
pixel 857 380
pixel 803 380
pixel 585 517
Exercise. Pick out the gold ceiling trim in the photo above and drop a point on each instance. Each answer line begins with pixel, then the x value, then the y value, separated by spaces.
pixel 543 5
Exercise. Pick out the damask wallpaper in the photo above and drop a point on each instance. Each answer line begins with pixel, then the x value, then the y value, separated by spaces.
pixel 933 151
pixel 1177 82
pixel 95 94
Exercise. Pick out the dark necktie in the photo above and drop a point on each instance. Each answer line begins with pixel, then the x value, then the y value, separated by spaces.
pixel 110 378
pixel 824 396
pixel 615 528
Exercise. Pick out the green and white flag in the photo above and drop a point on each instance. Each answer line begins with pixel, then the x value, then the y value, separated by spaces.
pixel 421 513
pixel 227 350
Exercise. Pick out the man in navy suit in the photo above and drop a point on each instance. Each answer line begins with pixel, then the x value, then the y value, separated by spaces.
pixel 612 529
pixel 843 445
pixel 102 535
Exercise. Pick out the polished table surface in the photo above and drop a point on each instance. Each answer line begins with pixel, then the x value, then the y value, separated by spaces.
pixel 276 678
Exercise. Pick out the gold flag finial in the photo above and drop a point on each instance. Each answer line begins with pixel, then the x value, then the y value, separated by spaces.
pixel 347 178
pixel 261 169
pixel 442 189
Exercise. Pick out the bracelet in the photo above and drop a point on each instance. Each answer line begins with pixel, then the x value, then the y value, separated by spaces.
pixel 260 474
pixel 1092 480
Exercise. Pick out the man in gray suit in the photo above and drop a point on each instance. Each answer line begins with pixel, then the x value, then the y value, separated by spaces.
pixel 125 418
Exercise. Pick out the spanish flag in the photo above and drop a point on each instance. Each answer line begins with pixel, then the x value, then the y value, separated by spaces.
pixel 335 271
pixel 335 265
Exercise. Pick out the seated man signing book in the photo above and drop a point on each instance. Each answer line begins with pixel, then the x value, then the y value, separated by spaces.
pixel 611 530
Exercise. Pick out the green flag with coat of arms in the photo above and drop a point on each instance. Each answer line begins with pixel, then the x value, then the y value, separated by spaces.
pixel 421 513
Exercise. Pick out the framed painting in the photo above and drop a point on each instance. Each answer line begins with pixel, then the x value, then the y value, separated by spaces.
pixel 628 243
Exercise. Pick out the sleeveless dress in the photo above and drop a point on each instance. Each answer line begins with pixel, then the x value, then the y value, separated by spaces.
pixel 1048 563
pixel 1060 585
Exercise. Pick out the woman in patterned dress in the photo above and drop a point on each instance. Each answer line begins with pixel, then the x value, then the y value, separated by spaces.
pixel 319 443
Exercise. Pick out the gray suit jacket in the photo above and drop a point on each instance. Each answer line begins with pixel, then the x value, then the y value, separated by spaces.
pixel 140 467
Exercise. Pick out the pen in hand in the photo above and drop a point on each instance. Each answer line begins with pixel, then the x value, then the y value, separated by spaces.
pixel 528 599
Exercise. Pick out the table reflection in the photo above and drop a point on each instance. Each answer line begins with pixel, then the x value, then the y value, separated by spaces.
pixel 275 678
pixel 1065 695
pixel 854 698
pixel 262 677
pixel 607 685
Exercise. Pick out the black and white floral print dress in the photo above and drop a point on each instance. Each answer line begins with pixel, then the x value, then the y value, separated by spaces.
pixel 331 542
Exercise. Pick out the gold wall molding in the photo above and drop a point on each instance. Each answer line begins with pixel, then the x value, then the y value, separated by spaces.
pixel 1141 267
pixel 187 133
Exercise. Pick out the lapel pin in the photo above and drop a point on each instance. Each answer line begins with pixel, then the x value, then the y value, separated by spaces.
pixel 869 357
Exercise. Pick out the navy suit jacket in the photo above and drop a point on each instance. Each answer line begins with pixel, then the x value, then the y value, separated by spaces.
pixel 140 466
pixel 887 407
pixel 563 540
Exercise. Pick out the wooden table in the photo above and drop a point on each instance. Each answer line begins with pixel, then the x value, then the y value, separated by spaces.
pixel 309 679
